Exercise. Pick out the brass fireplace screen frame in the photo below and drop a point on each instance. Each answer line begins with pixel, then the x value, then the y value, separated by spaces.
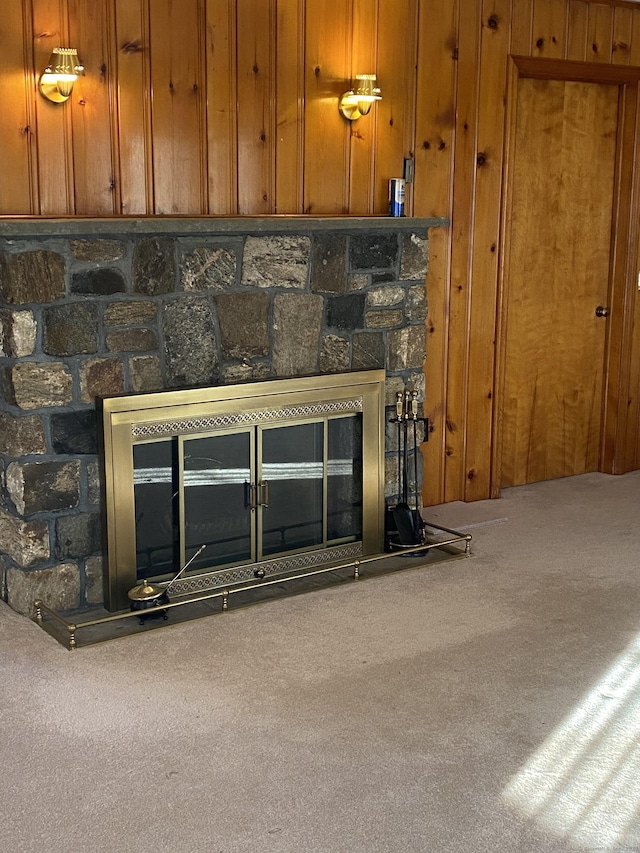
pixel 128 420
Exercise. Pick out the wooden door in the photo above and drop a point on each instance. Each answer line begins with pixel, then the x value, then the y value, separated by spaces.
pixel 557 272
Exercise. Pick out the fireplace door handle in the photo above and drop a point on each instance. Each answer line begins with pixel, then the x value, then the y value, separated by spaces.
pixel 264 494
pixel 250 496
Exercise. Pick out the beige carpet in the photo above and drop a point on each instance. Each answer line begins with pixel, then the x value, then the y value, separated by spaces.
pixel 485 704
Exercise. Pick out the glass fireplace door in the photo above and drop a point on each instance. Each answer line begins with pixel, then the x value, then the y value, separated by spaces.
pixel 248 494
pixel 216 471
pixel 291 473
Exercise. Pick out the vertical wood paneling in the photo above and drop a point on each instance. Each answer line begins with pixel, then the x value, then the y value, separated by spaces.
pixel 435 113
pixel 435 404
pixel 396 113
pixel 18 193
pixel 134 122
pixel 326 133
pixel 435 122
pixel 622 33
pixel 222 138
pixel 178 140
pixel 619 434
pixel 599 33
pixel 484 266
pixel 578 21
pixel 53 121
pixel 256 109
pixel 289 144
pixel 549 28
pixel 521 27
pixel 362 138
pixel 463 212
pixel 634 48
pixel 94 180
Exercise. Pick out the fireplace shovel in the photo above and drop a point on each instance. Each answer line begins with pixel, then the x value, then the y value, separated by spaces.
pixel 149 596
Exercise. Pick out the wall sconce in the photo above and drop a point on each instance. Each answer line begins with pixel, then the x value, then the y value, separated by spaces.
pixel 358 101
pixel 57 79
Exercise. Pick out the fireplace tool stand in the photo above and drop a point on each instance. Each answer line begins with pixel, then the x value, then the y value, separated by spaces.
pixel 404 527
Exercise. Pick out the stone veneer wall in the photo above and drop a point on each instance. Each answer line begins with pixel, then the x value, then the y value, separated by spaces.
pixel 95 314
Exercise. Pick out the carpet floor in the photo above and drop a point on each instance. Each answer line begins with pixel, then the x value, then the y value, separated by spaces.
pixel 489 703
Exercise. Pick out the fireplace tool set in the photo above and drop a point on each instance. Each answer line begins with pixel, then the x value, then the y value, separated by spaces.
pixel 153 596
pixel 404 524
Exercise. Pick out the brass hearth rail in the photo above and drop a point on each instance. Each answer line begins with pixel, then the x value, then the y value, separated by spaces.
pixel 457 545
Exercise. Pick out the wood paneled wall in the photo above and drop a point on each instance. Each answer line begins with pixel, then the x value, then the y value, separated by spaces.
pixel 460 149
pixel 202 107
pixel 206 106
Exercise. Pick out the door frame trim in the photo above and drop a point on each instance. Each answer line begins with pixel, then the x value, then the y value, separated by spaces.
pixel 619 376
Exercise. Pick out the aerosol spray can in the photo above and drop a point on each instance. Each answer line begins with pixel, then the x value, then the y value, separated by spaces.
pixel 396 197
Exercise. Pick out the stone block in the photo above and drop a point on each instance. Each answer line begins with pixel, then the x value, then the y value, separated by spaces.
pixel 384 319
pixel 131 340
pixel 244 324
pixel 43 486
pixel 297 323
pixel 21 435
pixel 368 351
pixel 70 329
pixel 359 281
pixel 94 494
pixel 25 542
pixel 407 348
pixel 416 305
pixel 145 373
pixel 415 257
pixel 100 282
pixel 391 477
pixel 334 355
pixel 346 312
pixel 101 377
pixel 36 385
pixel 385 297
pixel 18 331
pixel 58 587
pixel 393 385
pixel 94 580
pixel 328 263
pixel 97 251
pixel 130 313
pixel 74 432
pixel 281 261
pixel 416 381
pixel 77 535
pixel 154 266
pixel 383 277
pixel 373 251
pixel 189 339
pixel 205 269
pixel 245 372
pixel 37 276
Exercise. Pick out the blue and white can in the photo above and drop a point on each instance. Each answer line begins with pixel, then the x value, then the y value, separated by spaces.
pixel 396 197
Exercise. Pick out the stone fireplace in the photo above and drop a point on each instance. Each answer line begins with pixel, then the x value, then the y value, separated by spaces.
pixel 101 308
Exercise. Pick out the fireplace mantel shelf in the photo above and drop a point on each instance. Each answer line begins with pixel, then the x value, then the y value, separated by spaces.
pixel 24 226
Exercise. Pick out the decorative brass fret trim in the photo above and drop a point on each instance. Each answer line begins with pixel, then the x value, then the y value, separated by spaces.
pixel 184 426
pixel 291 564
